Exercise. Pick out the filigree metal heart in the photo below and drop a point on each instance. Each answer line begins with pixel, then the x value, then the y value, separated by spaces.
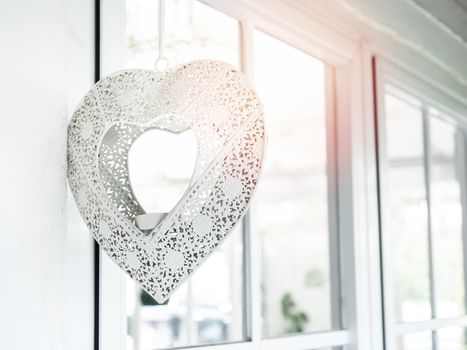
pixel 218 104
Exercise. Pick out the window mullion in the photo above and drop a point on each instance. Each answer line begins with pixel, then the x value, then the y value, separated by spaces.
pixel 333 204
pixel 252 258
pixel 434 324
pixel 427 169
pixel 461 166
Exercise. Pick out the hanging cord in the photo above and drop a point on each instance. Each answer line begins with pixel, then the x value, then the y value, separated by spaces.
pixel 162 62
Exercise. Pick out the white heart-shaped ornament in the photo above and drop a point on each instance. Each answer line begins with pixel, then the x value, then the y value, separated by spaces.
pixel 218 104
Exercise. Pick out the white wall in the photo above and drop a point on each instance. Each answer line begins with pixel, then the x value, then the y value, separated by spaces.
pixel 46 290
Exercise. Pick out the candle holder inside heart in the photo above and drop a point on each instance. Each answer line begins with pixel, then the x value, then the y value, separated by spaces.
pixel 148 170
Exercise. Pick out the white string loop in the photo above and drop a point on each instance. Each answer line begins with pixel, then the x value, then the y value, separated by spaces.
pixel 162 63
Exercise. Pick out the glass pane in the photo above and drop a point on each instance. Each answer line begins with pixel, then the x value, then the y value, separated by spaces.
pixel 292 202
pixel 416 341
pixel 405 211
pixel 192 31
pixel 203 310
pixel 446 221
pixel 452 338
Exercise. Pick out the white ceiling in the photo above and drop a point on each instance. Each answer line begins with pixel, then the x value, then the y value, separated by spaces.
pixel 428 36
pixel 452 13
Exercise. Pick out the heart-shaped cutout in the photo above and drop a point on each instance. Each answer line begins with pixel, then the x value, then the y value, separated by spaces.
pixel 217 103
pixel 160 165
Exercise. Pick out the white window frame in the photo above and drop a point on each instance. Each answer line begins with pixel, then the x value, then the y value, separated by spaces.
pixel 427 95
pixel 349 82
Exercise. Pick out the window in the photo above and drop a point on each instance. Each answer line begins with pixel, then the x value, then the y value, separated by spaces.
pixel 208 307
pixel 303 271
pixel 422 169
pixel 292 200
pixel 416 340
pixel 453 337
pixel 407 211
pixel 275 283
